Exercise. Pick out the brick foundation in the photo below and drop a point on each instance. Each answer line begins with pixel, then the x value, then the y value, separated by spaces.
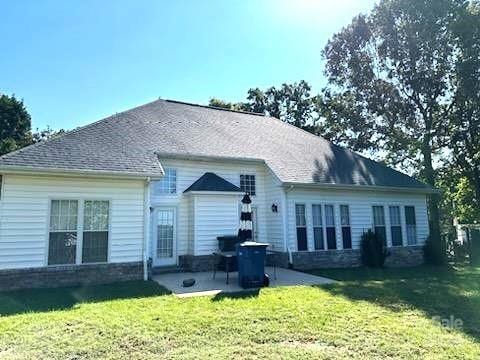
pixel 69 275
pixel 308 260
pixel 398 256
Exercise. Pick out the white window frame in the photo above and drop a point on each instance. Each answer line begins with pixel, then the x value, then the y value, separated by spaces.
pixel 385 218
pixel 335 225
pixel 2 186
pixel 305 216
pixel 250 183
pixel 160 188
pixel 406 225
pixel 80 215
pixel 349 224
pixel 400 224
pixel 324 228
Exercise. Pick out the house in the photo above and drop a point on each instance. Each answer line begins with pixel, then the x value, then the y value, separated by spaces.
pixel 158 183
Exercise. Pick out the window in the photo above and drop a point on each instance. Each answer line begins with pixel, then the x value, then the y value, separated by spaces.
pixel 247 184
pixel 330 227
pixel 411 225
pixel 379 222
pixel 396 226
pixel 1 186
pixel 62 242
pixel 167 184
pixel 95 231
pixel 346 230
pixel 317 227
pixel 301 227
pixel 67 235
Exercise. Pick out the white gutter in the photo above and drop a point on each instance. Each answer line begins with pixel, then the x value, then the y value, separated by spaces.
pixel 167 155
pixel 9 169
pixel 146 228
pixel 361 187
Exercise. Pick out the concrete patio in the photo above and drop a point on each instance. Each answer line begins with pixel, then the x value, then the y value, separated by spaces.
pixel 206 285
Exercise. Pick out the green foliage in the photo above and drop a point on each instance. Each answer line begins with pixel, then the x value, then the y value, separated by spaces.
pixel 373 249
pixel 395 79
pixel 15 124
pixel 292 103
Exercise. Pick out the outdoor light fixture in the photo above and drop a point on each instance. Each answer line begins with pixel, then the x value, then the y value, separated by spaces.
pixel 274 208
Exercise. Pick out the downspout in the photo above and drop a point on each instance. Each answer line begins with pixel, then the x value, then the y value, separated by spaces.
pixel 146 227
pixel 285 224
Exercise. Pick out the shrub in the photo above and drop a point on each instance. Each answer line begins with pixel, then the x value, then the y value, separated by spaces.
pixel 374 250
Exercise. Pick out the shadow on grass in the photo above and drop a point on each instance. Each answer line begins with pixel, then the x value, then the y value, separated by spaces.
pixel 444 293
pixel 41 300
pixel 245 294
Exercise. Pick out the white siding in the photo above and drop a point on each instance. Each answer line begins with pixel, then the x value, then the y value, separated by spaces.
pixel 215 216
pixel 24 216
pixel 275 194
pixel 361 216
pixel 188 172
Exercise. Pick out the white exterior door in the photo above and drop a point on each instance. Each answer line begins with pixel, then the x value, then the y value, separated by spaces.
pixel 165 235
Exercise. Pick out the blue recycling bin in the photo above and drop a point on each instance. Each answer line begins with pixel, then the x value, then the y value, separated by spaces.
pixel 251 264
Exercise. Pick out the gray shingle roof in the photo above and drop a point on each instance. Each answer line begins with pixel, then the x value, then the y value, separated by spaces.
pixel 212 182
pixel 128 141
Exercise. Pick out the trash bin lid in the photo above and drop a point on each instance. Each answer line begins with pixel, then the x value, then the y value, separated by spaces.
pixel 253 244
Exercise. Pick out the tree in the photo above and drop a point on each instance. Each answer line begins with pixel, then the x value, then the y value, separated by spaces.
pixel 396 65
pixel 465 118
pixel 15 124
pixel 46 134
pixel 228 105
pixel 292 103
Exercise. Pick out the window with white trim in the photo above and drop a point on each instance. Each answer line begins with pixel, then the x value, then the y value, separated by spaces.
pixel 330 227
pixel 167 184
pixel 346 229
pixel 396 226
pixel 95 231
pixel 68 236
pixel 379 222
pixel 411 224
pixel 317 227
pixel 247 184
pixel 62 241
pixel 301 223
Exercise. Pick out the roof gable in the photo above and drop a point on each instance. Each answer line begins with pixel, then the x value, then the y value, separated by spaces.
pixel 212 182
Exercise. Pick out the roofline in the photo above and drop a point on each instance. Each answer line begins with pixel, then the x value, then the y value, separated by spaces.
pixel 427 190
pixel 215 107
pixel 27 170
pixel 201 192
pixel 216 158
pixel 168 155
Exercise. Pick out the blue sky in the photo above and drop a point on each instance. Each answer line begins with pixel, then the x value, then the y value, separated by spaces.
pixel 74 62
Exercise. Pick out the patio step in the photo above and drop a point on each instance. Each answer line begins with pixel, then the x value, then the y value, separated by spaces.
pixel 157 270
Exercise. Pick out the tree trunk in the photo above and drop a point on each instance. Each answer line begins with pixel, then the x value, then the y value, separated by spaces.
pixel 433 205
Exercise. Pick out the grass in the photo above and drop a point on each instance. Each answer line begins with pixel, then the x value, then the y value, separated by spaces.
pixel 368 314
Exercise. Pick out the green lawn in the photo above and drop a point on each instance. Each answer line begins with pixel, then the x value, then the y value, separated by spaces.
pixel 369 314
